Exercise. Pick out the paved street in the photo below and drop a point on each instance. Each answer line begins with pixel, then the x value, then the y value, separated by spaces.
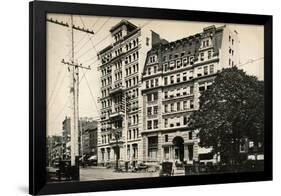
pixel 99 173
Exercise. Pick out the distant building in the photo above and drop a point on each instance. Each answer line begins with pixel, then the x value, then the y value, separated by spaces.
pixel 54 149
pixel 89 138
pixel 174 75
pixel 121 117
pixel 88 129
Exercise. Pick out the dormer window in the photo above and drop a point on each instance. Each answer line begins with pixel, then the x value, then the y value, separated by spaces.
pixel 152 59
pixel 118 36
pixel 191 60
pixel 149 71
pixel 205 43
pixel 209 54
pixel 202 56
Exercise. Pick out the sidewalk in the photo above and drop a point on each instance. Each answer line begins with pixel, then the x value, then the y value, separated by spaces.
pixel 101 173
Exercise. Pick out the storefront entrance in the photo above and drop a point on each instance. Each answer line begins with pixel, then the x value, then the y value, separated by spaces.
pixel 178 148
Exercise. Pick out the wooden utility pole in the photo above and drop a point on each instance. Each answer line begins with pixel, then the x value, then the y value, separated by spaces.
pixel 73 67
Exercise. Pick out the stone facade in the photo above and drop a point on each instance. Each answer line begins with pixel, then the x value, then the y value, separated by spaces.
pixel 122 61
pixel 174 75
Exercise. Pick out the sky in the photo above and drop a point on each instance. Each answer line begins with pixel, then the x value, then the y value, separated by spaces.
pixel 87 45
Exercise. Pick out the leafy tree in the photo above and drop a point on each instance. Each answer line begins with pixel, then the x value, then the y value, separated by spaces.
pixel 231 110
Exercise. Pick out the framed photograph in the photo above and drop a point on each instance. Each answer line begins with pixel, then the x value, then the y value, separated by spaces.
pixel 132 97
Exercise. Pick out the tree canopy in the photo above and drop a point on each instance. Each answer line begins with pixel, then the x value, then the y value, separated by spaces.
pixel 231 110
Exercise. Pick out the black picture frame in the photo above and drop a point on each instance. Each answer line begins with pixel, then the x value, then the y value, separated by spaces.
pixel 37 94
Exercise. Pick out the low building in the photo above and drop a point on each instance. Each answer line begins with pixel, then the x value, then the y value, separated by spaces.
pixel 87 137
pixel 54 149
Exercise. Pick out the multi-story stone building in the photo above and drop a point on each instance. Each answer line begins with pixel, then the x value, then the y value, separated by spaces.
pixel 89 137
pixel 121 67
pixel 54 149
pixel 174 75
pixel 88 129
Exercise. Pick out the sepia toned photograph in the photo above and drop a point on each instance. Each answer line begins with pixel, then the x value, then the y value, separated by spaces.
pixel 142 98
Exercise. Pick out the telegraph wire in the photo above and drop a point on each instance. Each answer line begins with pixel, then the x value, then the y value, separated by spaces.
pixel 50 102
pixel 93 98
pixel 89 38
pixel 250 61
pixel 78 50
pixel 78 42
pixel 96 44
pixel 58 77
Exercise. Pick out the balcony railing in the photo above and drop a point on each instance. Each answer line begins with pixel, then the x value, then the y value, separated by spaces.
pixel 117 90
pixel 119 114
pixel 113 140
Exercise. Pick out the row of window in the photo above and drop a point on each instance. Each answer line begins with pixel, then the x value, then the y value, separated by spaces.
pixel 118 51
pixel 201 71
pixel 152 83
pixel 203 54
pixel 203 86
pixel 105 92
pixel 152 59
pixel 118 75
pixel 106 58
pixel 118 99
pixel 185 90
pixel 171 56
pixel 132 69
pixel 105 114
pixel 179 106
pixel 185 76
pixel 151 70
pixel 152 97
pixel 231 51
pixel 152 123
pixel 118 36
pixel 132 44
pixel 133 106
pixel 132 57
pixel 106 70
pixel 205 43
pixel 133 93
pixel 128 46
pixel 105 139
pixel 118 84
pixel 230 62
pixel 105 126
pixel 132 82
pixel 106 81
pixel 171 65
pixel 231 40
pixel 175 122
pixel 118 65
pixel 133 119
pixel 133 133
pixel 106 103
pixel 205 70
pixel 152 110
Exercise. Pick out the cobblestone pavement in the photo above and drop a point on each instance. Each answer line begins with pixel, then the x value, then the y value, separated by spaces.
pixel 100 173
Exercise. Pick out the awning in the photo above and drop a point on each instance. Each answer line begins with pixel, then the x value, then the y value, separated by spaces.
pixel 94 157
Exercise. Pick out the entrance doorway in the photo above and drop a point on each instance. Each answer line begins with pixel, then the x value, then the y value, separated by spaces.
pixel 179 148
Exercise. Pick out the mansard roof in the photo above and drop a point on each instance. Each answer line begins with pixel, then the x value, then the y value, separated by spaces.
pixel 130 26
pixel 190 44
